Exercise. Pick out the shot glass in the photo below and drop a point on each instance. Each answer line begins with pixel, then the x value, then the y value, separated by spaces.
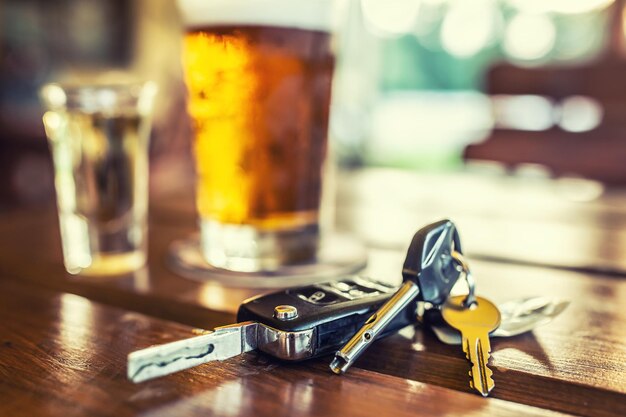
pixel 98 136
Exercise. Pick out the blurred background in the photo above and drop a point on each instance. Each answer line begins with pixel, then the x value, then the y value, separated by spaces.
pixel 530 88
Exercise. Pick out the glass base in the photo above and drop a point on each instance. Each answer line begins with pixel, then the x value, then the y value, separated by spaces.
pixel 245 248
pixel 337 255
pixel 104 264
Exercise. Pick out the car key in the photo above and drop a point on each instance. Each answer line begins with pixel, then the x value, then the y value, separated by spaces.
pixel 292 325
pixel 430 271
pixel 475 322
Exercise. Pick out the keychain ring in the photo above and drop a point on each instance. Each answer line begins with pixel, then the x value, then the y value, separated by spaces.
pixel 467 274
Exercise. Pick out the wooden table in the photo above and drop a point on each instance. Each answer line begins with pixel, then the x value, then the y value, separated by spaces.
pixel 64 339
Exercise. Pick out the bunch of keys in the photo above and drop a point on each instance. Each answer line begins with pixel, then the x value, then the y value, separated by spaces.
pixel 302 323
pixel 307 322
pixel 475 317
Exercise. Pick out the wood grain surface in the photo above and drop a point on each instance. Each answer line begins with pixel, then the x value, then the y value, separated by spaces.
pixel 64 355
pixel 575 364
pixel 567 223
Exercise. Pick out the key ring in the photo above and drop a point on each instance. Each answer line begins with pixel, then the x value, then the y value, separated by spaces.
pixel 471 284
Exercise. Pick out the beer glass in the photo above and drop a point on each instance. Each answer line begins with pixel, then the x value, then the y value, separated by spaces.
pixel 258 75
pixel 98 136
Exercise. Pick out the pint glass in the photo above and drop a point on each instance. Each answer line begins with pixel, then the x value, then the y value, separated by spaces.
pixel 258 75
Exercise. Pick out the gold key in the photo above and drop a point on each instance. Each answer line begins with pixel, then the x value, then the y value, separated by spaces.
pixel 475 322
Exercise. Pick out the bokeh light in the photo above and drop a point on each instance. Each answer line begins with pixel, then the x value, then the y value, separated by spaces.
pixel 390 18
pixel 560 6
pixel 469 27
pixel 529 37
pixel 580 114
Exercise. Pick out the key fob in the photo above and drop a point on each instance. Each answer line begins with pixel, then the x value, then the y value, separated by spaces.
pixel 429 261
pixel 300 323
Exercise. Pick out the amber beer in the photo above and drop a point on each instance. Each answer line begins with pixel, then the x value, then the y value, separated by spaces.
pixel 258 96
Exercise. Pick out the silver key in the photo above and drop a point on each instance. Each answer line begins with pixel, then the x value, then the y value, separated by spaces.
pixel 431 268
pixel 222 343
pixel 374 326
pixel 475 323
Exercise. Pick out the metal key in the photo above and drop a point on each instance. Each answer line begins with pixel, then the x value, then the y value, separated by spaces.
pixel 430 271
pixel 219 344
pixel 475 322
pixel 294 324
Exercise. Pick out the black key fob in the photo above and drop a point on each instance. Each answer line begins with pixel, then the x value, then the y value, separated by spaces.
pixel 311 321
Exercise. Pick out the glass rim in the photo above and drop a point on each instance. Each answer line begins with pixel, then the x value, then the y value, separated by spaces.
pixel 96 96
pixel 314 15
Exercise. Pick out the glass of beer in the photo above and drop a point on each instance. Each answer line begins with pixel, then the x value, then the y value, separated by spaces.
pixel 258 75
pixel 98 136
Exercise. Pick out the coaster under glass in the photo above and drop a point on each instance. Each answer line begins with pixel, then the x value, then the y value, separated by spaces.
pixel 338 255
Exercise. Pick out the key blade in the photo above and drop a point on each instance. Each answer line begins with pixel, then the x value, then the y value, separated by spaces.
pixel 477 349
pixel 222 343
pixel 475 323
